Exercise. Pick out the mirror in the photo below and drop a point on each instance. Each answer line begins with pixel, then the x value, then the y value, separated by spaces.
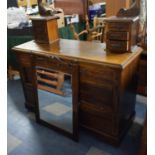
pixel 57 91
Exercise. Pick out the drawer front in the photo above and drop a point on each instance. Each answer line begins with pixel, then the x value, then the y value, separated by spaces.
pixel 96 74
pixel 24 59
pixel 119 26
pixel 117 46
pixel 100 97
pixel 96 123
pixel 111 35
pixel 54 62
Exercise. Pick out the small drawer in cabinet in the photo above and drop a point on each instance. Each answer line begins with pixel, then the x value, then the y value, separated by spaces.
pixel 94 73
pixel 112 35
pixel 117 46
pixel 119 26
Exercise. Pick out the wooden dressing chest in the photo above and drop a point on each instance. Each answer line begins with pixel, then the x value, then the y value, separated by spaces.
pixel 107 82
pixel 121 33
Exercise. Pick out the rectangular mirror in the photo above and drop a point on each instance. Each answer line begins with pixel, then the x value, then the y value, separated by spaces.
pixel 57 91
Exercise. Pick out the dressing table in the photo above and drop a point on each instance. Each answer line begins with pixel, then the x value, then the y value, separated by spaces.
pixel 106 87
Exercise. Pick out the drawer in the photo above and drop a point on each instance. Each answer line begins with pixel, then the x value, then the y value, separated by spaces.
pixel 100 97
pixel 119 26
pixel 96 74
pixel 96 123
pixel 111 35
pixel 117 46
pixel 24 59
pixel 55 63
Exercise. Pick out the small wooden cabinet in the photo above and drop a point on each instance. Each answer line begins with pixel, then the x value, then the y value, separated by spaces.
pixel 45 29
pixel 121 34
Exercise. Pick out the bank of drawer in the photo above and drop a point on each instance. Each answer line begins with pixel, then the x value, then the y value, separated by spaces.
pixel 119 26
pixel 92 73
pixel 118 46
pixel 111 35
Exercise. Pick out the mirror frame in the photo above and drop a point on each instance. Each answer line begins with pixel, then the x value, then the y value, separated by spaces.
pixel 70 67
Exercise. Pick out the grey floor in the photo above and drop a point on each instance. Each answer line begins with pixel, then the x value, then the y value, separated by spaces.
pixel 26 137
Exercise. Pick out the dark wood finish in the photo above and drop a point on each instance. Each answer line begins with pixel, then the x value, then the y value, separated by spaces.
pixel 107 82
pixel 45 29
pixel 121 34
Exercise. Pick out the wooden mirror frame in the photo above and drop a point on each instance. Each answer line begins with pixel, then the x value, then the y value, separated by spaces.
pixel 68 67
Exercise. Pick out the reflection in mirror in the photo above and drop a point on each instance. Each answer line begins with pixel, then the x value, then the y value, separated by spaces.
pixel 55 98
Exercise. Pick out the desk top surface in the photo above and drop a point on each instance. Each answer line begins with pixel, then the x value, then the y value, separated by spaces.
pixel 80 50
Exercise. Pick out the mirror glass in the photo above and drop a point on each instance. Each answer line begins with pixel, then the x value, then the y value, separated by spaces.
pixel 55 101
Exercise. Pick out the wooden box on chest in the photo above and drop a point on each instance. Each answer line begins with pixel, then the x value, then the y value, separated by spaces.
pixel 45 29
pixel 121 34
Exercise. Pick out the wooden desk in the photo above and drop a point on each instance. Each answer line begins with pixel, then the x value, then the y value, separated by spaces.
pixel 107 83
